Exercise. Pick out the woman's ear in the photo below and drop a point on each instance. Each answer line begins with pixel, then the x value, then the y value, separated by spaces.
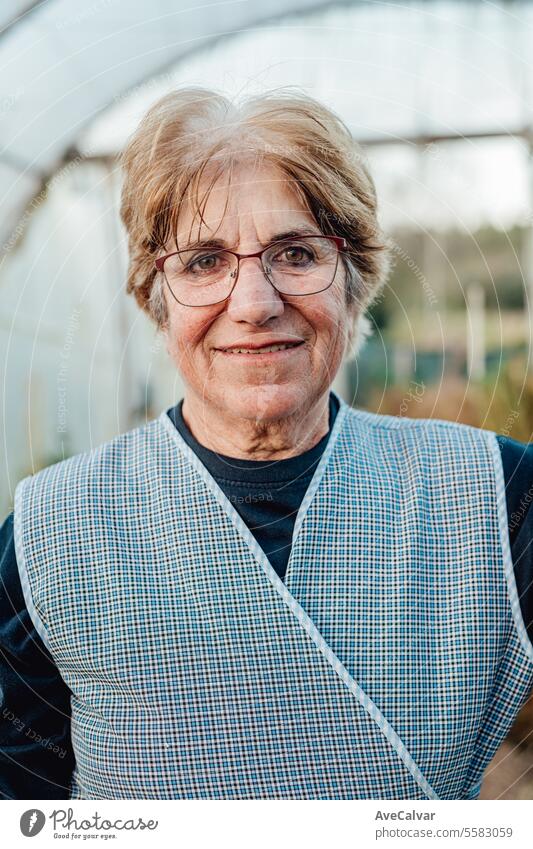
pixel 164 331
pixel 158 307
pixel 360 329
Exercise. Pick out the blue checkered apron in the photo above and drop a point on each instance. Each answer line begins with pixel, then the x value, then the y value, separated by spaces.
pixel 389 664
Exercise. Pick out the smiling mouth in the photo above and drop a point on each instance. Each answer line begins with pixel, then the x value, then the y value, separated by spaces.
pixel 266 349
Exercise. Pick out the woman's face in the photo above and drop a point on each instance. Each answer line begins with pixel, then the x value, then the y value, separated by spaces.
pixel 247 216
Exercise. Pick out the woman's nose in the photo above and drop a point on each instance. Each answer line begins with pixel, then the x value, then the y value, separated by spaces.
pixel 253 299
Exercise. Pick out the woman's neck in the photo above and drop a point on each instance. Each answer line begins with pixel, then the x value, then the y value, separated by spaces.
pixel 273 439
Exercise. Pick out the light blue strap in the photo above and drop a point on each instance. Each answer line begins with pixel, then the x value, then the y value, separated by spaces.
pixel 21 562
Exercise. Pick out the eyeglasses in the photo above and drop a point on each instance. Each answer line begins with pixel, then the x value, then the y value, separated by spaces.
pixel 200 277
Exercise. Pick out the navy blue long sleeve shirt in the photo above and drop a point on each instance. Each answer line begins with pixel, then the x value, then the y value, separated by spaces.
pixel 36 755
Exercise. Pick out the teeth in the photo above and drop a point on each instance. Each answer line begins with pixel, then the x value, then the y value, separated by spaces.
pixel 264 350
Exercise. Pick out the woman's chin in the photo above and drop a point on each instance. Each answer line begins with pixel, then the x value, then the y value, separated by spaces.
pixel 265 402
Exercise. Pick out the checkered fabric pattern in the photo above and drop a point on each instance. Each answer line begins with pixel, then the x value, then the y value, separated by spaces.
pixel 389 664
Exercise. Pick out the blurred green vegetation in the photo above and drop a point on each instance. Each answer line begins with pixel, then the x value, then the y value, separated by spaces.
pixel 502 401
pixel 491 256
pixel 416 361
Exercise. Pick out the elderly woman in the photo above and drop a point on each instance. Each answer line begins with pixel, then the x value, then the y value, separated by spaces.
pixel 262 592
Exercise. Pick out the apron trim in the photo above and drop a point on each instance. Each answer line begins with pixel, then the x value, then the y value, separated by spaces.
pixel 293 605
pixel 21 563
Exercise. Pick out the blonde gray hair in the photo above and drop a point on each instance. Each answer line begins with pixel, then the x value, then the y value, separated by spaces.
pixel 192 129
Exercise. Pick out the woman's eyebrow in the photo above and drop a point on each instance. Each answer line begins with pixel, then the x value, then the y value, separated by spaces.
pixel 304 230
pixel 205 243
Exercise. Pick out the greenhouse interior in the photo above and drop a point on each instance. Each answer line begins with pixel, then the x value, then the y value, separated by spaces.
pixel 440 97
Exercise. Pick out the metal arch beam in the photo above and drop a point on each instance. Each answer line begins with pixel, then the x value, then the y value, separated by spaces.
pixel 43 112
pixel 210 35
pixel 524 134
pixel 50 25
pixel 68 16
pixel 520 134
pixel 10 20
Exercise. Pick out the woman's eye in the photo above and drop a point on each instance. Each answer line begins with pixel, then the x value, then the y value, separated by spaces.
pixel 203 263
pixel 295 254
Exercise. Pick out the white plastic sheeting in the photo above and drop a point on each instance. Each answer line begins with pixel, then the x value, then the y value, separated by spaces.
pixel 78 359
pixel 391 70
pixel 66 60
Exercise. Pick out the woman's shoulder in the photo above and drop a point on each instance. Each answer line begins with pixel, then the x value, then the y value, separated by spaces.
pixel 112 457
pixel 517 462
pixel 516 456
pixel 452 445
pixel 434 428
